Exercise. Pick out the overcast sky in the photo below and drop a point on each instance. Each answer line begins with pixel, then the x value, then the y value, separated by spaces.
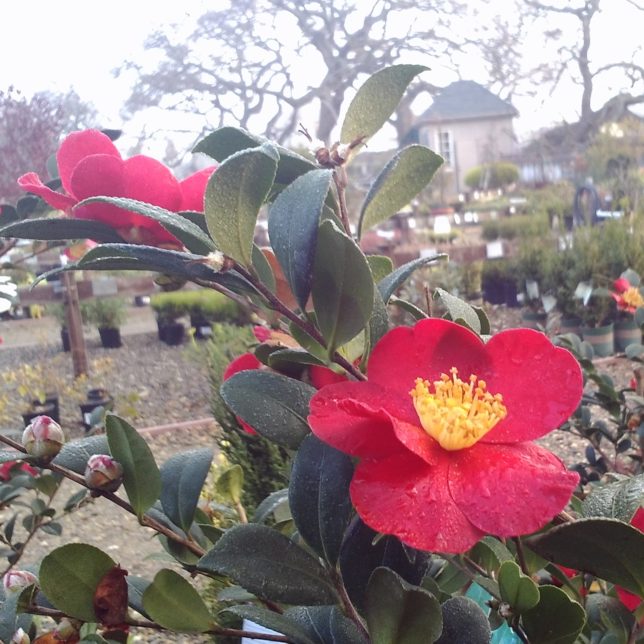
pixel 47 45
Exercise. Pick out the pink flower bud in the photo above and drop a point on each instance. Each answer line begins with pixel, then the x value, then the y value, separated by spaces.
pixel 103 473
pixel 16 580
pixel 67 630
pixel 43 438
pixel 20 637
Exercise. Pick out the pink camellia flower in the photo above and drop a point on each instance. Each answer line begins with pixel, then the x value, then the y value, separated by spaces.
pixel 630 600
pixel 43 437
pixel 443 429
pixel 627 297
pixel 103 473
pixel 15 580
pixel 90 165
pixel 5 470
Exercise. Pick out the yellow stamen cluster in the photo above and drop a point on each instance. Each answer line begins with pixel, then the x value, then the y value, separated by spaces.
pixel 633 297
pixel 457 414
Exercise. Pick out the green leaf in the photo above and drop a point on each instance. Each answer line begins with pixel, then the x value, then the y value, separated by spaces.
pixel 182 479
pixel 325 624
pixel 231 483
pixel 342 287
pixel 459 310
pixel 606 548
pixel 226 141
pixel 75 454
pixel 376 101
pixel 274 621
pixel 464 621
pixel 269 565
pixel 141 477
pixel 189 234
pixel 404 176
pixel 556 619
pixel 283 359
pixel 61 229
pixel 263 268
pixel 619 500
pixel 398 613
pixel 517 589
pixel 270 504
pixel 378 324
pixel 319 496
pixel 274 405
pixel 172 602
pixel 490 553
pixel 293 222
pixel 380 266
pixel 69 576
pixel 135 588
pixel 234 195
pixel 390 284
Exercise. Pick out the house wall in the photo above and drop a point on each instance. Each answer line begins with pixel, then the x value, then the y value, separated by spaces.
pixel 470 143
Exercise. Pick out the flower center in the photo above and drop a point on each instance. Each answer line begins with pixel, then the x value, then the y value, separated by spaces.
pixel 633 297
pixel 457 414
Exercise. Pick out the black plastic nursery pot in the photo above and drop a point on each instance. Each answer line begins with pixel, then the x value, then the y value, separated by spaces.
pixel 171 333
pixel 95 398
pixel 202 327
pixel 110 338
pixel 39 409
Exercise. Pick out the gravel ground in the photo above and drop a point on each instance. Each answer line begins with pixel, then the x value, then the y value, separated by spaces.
pixel 172 387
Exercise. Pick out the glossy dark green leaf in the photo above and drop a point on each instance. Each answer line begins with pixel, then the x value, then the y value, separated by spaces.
pixel 556 619
pixel 172 602
pixel 293 222
pixel 376 101
pixel 69 576
pixel 517 589
pixel 464 621
pixel 606 548
pixel 362 553
pixel 8 215
pixel 270 504
pixel 10 619
pixel 342 287
pixel 603 611
pixel 7 456
pixel 404 176
pixel 326 625
pixel 274 405
pixel 226 141
pixel 136 586
pixel 399 613
pixel 412 309
pixel 75 454
pixel 274 621
pixel 61 228
pixel 378 323
pixel 269 565
pixel 483 320
pixel 618 500
pixel 282 359
pixel 319 496
pixel 189 234
pixel 490 553
pixel 234 195
pixel 263 268
pixel 390 284
pixel 380 266
pixel 182 479
pixel 459 310
pixel 141 477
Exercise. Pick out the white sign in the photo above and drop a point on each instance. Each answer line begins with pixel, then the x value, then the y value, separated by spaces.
pixel 494 249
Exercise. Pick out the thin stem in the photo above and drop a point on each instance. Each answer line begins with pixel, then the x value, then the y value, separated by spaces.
pixel 349 608
pixel 144 623
pixel 521 555
pixel 279 306
pixel 241 512
pixel 110 496
pixel 341 182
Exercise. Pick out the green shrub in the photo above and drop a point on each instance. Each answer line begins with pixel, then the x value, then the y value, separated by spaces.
pixel 266 466
pixel 518 226
pixel 492 176
pixel 107 313
pixel 211 305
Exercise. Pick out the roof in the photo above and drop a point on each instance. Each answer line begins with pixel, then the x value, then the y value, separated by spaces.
pixel 465 100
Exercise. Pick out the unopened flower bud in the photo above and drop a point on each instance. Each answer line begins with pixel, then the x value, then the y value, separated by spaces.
pixel 103 473
pixel 43 438
pixel 20 637
pixel 67 630
pixel 16 580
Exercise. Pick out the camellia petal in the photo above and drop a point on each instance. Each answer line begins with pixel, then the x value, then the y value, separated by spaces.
pixel 352 417
pixel 148 180
pixel 402 495
pixel 508 490
pixel 193 189
pixel 540 384
pixel 323 376
pixel 244 362
pixel 76 147
pixel 426 350
pixel 31 182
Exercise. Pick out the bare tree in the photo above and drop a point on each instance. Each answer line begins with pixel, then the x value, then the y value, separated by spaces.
pixel 30 129
pixel 270 63
pixel 575 61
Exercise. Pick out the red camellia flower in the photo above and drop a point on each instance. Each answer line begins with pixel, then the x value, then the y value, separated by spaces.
pixel 90 165
pixel 627 297
pixel 630 600
pixel 443 427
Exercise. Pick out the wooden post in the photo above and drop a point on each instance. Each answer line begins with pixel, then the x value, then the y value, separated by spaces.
pixel 75 325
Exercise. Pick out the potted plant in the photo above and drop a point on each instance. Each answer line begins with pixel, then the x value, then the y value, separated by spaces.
pixel 206 307
pixel 107 314
pixel 35 387
pixel 628 296
pixel 597 327
pixel 498 282
pixel 169 309
pixel 58 311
